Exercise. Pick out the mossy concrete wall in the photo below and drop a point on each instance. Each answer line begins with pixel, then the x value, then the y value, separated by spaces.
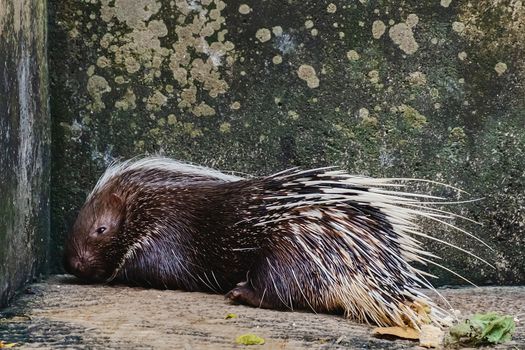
pixel 24 144
pixel 426 89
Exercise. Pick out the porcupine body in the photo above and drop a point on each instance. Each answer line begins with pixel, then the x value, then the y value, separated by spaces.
pixel 317 239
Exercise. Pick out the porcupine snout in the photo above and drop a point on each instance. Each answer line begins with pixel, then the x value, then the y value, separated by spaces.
pixel 82 265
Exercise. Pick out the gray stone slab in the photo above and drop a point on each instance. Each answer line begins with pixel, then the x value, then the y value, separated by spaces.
pixel 24 144
pixel 60 313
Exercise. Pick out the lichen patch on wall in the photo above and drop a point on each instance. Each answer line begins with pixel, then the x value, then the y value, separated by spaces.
pixel 307 73
pixel 403 36
pixel 500 68
pixel 352 55
pixel 244 9
pixel 97 86
pixel 378 29
pixel 194 51
pixel 263 35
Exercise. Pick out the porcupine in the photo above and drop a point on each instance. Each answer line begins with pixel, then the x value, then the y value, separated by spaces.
pixel 317 239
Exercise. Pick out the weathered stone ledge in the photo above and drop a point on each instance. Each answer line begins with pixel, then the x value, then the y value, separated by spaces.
pixel 60 313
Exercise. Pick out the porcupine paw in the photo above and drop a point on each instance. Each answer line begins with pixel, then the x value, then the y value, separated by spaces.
pixel 244 294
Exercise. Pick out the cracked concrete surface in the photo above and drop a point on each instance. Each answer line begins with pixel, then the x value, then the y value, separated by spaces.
pixel 62 313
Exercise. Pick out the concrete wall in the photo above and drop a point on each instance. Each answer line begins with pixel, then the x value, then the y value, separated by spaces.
pixel 427 89
pixel 24 144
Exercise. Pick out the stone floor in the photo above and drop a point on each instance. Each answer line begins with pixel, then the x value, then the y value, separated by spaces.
pixel 61 313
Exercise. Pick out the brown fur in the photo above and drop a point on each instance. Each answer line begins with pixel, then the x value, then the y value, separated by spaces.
pixel 267 242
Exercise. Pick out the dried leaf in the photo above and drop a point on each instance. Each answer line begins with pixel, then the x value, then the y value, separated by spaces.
pixel 423 310
pixel 423 314
pixel 7 345
pixel 400 332
pixel 249 339
pixel 230 315
pixel 431 336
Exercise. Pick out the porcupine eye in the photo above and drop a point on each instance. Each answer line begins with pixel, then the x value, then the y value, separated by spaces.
pixel 101 230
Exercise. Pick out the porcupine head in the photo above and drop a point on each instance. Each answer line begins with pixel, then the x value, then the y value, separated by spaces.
pixel 125 207
pixel 92 250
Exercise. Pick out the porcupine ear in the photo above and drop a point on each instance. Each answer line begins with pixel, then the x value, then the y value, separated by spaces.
pixel 116 201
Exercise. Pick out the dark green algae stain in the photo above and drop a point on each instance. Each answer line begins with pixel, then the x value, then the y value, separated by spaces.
pixel 429 114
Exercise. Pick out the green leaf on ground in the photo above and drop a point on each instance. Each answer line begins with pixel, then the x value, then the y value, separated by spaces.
pixel 249 339
pixel 480 329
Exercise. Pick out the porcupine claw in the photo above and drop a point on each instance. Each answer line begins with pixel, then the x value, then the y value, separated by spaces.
pixel 244 294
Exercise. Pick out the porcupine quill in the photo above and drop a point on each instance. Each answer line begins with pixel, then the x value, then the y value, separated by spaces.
pixel 317 239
